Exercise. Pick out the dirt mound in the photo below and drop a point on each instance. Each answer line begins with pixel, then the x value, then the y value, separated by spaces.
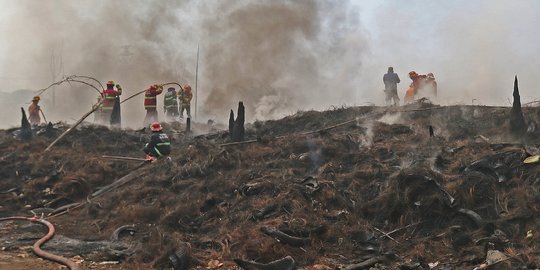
pixel 375 190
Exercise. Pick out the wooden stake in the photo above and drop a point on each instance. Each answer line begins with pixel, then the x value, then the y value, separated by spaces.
pixel 196 80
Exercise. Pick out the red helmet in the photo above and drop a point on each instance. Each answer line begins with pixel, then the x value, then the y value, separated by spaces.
pixel 154 86
pixel 413 74
pixel 187 87
pixel 156 126
pixel 110 82
pixel 36 98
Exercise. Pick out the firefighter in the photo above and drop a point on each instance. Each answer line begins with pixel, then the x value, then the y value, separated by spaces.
pixel 33 112
pixel 431 85
pixel 391 80
pixel 150 103
pixel 185 101
pixel 418 82
pixel 159 145
pixel 109 96
pixel 170 103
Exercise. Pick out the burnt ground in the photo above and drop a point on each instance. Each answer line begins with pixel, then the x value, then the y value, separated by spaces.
pixel 334 194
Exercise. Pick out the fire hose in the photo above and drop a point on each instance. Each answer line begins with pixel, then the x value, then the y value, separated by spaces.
pixel 37 245
pixel 69 79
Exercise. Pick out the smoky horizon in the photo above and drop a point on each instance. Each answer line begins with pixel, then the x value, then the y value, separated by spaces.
pixel 278 57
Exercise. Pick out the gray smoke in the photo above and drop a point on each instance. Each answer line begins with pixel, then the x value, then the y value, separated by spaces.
pixel 474 48
pixel 277 56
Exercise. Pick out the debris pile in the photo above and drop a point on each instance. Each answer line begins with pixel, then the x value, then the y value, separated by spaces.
pixel 414 187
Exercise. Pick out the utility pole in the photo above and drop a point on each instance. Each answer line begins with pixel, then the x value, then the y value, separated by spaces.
pixel 196 80
pixel 56 67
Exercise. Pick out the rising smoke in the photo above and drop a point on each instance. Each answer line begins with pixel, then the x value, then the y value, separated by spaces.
pixel 474 48
pixel 276 56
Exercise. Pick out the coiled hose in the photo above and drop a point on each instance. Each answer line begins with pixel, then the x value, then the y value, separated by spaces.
pixel 37 245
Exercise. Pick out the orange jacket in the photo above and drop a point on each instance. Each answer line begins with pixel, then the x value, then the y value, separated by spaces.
pixel 409 95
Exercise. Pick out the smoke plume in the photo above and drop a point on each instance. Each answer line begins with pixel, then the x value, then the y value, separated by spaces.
pixel 277 56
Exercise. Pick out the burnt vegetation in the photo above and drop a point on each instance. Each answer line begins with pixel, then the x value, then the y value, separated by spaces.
pixel 395 188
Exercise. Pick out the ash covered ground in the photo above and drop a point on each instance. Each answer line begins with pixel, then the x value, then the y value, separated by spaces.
pixel 377 191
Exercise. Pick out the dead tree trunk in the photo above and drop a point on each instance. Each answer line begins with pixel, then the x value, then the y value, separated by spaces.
pixel 26 129
pixel 517 121
pixel 231 124
pixel 238 129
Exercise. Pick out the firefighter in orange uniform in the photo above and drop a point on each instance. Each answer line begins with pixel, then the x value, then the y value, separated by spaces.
pixel 431 85
pixel 418 82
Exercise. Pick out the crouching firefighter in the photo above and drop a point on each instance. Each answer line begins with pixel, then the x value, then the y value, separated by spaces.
pixel 159 145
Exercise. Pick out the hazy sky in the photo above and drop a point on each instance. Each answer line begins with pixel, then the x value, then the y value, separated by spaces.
pixel 279 56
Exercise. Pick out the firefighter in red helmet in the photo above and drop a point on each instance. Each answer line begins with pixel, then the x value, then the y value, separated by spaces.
pixel 159 145
pixel 185 97
pixel 109 97
pixel 150 103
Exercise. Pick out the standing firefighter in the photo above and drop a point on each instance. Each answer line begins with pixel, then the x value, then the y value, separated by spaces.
pixel 159 145
pixel 418 81
pixel 431 85
pixel 421 86
pixel 170 103
pixel 33 112
pixel 150 103
pixel 391 80
pixel 185 101
pixel 109 96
